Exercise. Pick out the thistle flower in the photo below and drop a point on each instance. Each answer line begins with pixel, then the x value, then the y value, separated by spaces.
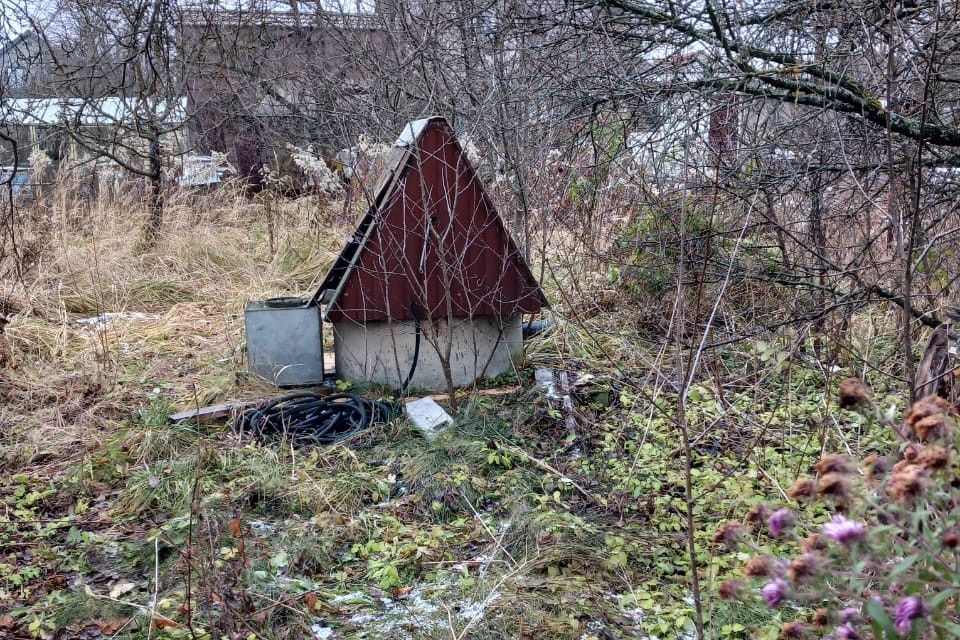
pixel 908 610
pixel 793 630
pixel 931 428
pixel 729 533
pixel 950 540
pixel 775 592
pixel 853 393
pixel 758 514
pixel 927 417
pixel 820 617
pixel 844 531
pixel 814 542
pixel 803 567
pixel 730 590
pixel 874 466
pixel 802 489
pixel 758 567
pixel 907 483
pixel 779 521
pixel 846 632
pixel 834 463
pixel 933 457
pixel 848 614
pixel 836 485
pixel 909 454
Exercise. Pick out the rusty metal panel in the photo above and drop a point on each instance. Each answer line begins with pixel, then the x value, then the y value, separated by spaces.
pixel 436 242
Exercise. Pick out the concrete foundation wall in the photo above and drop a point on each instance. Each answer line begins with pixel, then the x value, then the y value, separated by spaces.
pixel 382 352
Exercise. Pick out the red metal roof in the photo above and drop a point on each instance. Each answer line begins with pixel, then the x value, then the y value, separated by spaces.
pixel 432 238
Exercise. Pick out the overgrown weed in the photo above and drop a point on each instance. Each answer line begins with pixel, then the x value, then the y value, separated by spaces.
pixel 509 525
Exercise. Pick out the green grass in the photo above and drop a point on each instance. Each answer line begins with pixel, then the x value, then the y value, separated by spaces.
pixel 453 520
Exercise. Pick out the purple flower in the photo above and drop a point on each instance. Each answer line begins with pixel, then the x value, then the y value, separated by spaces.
pixel 848 614
pixel 907 611
pixel 844 531
pixel 779 521
pixel 774 592
pixel 846 632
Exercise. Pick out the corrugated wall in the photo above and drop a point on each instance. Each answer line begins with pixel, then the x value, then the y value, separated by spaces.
pixel 440 243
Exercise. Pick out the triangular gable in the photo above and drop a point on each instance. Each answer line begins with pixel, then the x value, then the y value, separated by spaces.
pixel 431 237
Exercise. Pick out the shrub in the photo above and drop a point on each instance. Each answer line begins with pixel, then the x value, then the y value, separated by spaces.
pixel 884 561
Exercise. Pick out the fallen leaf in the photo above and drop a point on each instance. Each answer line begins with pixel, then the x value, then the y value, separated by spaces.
pixel 401 592
pixel 7 622
pixel 235 527
pixel 109 628
pixel 163 623
pixel 311 601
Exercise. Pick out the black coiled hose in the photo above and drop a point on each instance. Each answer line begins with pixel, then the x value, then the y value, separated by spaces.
pixel 309 419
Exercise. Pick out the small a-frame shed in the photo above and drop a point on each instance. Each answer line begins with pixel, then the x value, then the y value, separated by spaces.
pixel 430 256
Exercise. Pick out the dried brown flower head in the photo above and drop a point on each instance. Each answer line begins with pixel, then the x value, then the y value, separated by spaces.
pixel 874 466
pixel 793 630
pixel 933 457
pixel 730 590
pixel 758 515
pixel 902 464
pixel 803 566
pixel 931 428
pixel 758 567
pixel 729 533
pixel 853 393
pixel 802 489
pixel 836 485
pixel 927 417
pixel 926 406
pixel 907 483
pixel 821 618
pixel 834 463
pixel 814 542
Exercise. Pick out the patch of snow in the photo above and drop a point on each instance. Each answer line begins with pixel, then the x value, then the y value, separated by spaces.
pixel 428 608
pixel 355 597
pixel 481 562
pixel 411 132
pixel 471 610
pixel 544 377
pixel 100 321
pixel 261 528
pixel 321 632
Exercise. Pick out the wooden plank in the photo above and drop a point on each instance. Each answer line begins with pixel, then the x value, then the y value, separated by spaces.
pixel 212 412
pixel 488 393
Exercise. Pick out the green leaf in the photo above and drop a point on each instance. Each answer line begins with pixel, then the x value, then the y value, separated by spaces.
pixel 952 627
pixel 881 622
pixel 904 565
pixel 940 598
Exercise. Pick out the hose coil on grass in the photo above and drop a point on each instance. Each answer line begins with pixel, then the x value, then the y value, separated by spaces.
pixel 309 419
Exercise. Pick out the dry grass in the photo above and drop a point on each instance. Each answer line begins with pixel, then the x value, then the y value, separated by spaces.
pixel 174 311
pixel 83 409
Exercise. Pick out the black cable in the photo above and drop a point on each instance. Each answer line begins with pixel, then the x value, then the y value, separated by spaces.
pixel 309 419
pixel 414 309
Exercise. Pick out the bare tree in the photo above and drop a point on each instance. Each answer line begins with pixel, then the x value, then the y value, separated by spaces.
pixel 114 84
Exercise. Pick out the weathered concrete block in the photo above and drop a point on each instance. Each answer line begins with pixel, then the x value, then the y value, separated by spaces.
pixel 382 352
pixel 428 417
